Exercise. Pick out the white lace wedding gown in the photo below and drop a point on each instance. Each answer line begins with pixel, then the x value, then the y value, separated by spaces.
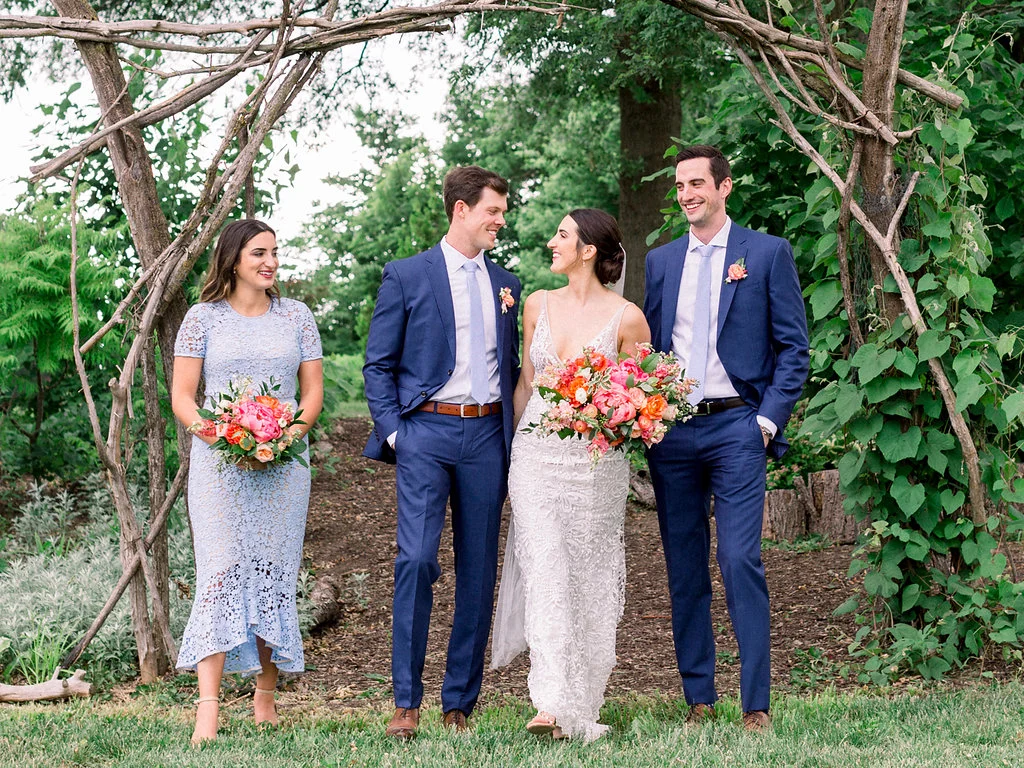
pixel 563 581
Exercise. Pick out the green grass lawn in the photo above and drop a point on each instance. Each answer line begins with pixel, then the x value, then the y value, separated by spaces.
pixel 977 727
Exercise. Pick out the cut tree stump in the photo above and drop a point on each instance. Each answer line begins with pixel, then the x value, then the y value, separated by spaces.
pixel 784 516
pixel 643 490
pixel 814 507
pixel 831 520
pixel 51 690
pixel 325 598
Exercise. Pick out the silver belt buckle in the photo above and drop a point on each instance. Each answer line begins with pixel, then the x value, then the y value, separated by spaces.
pixel 462 410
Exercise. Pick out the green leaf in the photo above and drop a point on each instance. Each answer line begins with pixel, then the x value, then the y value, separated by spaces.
pixel 865 428
pixel 908 496
pixel 824 298
pixel 1005 343
pixel 876 583
pixel 1004 208
pixel 848 401
pixel 906 362
pixel 849 466
pixel 871 362
pixel 897 445
pixel 932 344
pixel 982 292
pixel 848 606
pixel 969 390
pixel 952 501
pixel 1013 406
pixel 882 389
pixel 910 597
pixel 958 285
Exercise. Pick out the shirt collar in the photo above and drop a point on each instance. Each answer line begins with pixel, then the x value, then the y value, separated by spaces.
pixel 720 239
pixel 454 260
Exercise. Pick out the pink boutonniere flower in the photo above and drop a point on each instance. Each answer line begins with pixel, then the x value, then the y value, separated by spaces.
pixel 737 271
pixel 506 299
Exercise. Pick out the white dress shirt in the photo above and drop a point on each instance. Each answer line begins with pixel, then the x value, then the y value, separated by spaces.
pixel 457 388
pixel 717 384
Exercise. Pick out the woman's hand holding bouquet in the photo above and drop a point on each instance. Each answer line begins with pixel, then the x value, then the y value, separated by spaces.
pixel 626 405
pixel 252 431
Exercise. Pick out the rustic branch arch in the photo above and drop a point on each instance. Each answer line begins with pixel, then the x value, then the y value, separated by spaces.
pixel 290 49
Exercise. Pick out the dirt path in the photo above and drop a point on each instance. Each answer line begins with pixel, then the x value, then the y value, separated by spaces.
pixel 350 536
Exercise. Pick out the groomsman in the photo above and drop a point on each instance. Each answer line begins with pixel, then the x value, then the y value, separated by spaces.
pixel 442 360
pixel 727 301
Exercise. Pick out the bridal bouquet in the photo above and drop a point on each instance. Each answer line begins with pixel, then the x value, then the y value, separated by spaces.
pixel 251 423
pixel 624 404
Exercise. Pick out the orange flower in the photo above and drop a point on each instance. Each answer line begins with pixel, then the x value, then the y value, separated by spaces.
pixel 599 362
pixel 655 406
pixel 235 434
pixel 267 400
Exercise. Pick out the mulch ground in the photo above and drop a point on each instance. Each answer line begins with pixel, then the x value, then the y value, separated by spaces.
pixel 350 537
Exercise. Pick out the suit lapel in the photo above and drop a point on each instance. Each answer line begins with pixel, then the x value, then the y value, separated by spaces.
pixel 670 291
pixel 735 250
pixel 437 273
pixel 494 273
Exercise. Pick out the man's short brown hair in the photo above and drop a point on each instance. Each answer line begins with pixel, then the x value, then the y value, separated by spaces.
pixel 720 170
pixel 467 183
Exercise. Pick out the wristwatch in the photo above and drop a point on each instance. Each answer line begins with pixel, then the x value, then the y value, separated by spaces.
pixel 766 432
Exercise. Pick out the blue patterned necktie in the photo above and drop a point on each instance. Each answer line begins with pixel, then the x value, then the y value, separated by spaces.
pixel 480 387
pixel 698 363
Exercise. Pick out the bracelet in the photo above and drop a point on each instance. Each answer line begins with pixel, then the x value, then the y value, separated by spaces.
pixel 195 427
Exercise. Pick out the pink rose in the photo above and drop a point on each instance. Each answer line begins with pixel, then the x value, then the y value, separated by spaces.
pixel 222 429
pixel 589 411
pixel 622 413
pixel 737 271
pixel 264 453
pixel 637 397
pixel 260 420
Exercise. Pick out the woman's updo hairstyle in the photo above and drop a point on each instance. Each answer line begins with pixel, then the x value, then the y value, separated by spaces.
pixel 599 229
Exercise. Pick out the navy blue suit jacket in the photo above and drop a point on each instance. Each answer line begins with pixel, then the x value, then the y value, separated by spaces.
pixel 762 324
pixel 410 351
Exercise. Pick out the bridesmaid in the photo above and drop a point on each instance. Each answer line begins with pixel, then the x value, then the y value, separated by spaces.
pixel 248 520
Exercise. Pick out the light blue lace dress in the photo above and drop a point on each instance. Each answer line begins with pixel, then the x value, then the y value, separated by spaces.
pixel 247 525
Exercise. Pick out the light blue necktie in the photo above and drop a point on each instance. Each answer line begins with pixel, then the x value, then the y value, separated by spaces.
pixel 480 386
pixel 698 364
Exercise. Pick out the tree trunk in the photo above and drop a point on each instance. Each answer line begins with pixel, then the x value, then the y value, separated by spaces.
pixel 155 430
pixel 150 236
pixel 650 116
pixel 881 188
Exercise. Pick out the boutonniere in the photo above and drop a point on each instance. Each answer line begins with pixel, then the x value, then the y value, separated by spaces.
pixel 506 299
pixel 737 271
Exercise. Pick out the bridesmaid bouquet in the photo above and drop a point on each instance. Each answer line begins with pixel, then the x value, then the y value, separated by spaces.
pixel 251 424
pixel 625 404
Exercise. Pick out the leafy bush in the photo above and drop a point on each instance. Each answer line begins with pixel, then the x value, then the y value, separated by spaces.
pixel 49 595
pixel 343 383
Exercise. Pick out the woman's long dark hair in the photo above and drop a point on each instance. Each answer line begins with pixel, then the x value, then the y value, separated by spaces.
pixel 601 230
pixel 220 278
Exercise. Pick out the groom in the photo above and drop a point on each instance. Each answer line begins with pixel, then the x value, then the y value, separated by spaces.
pixel 442 359
pixel 727 301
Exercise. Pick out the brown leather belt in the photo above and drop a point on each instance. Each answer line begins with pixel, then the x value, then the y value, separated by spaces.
pixel 708 407
pixel 464 410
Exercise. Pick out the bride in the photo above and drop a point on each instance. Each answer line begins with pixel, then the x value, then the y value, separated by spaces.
pixel 563 582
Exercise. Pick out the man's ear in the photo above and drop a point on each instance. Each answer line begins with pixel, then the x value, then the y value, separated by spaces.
pixel 726 186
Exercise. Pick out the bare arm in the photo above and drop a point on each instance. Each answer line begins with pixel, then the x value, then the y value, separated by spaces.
pixel 311 391
pixel 185 383
pixel 524 387
pixel 633 329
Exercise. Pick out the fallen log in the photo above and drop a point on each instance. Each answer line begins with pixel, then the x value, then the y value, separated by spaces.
pixel 51 690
